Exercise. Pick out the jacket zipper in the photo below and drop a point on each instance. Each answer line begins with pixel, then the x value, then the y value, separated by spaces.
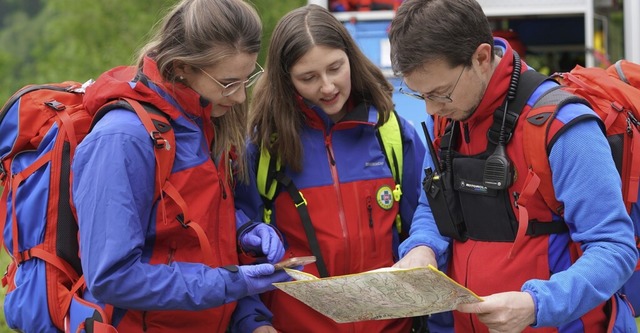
pixel 172 252
pixel 222 187
pixel 341 215
pixel 144 321
pixel 372 232
pixel 370 211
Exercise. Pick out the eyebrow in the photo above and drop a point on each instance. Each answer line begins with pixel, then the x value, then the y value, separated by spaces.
pixel 438 89
pixel 235 79
pixel 339 61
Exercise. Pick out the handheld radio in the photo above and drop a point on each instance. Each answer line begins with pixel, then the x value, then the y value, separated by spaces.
pixel 498 171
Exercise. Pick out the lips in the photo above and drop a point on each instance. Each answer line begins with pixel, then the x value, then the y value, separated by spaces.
pixel 331 99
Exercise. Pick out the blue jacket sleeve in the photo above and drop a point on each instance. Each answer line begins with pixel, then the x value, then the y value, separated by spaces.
pixel 247 198
pixel 413 155
pixel 250 313
pixel 423 229
pixel 590 188
pixel 112 189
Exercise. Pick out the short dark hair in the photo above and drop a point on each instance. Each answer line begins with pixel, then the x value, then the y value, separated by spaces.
pixel 426 30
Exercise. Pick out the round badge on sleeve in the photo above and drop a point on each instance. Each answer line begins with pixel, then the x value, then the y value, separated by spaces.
pixel 385 197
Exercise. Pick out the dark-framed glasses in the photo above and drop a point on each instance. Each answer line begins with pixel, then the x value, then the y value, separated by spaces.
pixel 431 97
pixel 231 88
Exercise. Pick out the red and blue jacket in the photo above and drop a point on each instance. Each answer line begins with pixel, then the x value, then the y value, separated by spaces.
pixel 344 169
pixel 136 255
pixel 569 295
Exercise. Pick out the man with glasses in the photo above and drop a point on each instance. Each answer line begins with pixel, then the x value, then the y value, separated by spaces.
pixel 523 267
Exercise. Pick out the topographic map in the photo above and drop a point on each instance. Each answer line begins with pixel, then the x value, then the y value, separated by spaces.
pixel 378 294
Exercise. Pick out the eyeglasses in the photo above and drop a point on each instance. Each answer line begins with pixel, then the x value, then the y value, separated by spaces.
pixel 231 88
pixel 434 98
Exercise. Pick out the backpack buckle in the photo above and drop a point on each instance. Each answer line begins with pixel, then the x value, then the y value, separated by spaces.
pixel 24 256
pixel 55 105
pixel 180 219
pixel 301 201
pixel 3 172
pixel 158 141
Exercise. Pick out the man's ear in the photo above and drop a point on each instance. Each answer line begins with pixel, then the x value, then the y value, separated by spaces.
pixel 483 57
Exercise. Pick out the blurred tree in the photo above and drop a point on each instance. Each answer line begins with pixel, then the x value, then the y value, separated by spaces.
pixel 30 7
pixel 72 39
pixel 57 40
pixel 270 12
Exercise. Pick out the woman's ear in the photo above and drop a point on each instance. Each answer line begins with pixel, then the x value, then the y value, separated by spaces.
pixel 181 70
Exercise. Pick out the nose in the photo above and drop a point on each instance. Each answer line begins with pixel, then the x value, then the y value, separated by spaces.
pixel 238 96
pixel 327 85
pixel 432 108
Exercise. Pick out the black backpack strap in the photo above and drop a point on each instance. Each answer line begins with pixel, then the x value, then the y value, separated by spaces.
pixel 301 206
pixel 528 83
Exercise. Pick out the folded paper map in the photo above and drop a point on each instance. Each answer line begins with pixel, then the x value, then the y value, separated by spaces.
pixel 378 294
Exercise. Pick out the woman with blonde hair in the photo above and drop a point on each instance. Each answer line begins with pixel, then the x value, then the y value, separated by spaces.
pixel 157 268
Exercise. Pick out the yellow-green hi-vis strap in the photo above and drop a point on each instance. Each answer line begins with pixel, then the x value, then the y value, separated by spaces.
pixel 390 135
pixel 266 182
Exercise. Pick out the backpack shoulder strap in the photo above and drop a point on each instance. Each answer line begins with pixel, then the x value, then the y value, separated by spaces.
pixel 536 133
pixel 160 131
pixel 390 138
pixel 163 138
pixel 265 175
pixel 269 176
pixel 527 83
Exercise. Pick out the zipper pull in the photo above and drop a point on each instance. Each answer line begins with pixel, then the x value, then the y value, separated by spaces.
pixel 222 187
pixel 370 210
pixel 328 146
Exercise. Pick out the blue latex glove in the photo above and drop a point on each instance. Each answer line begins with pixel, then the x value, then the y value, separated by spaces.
pixel 259 278
pixel 263 240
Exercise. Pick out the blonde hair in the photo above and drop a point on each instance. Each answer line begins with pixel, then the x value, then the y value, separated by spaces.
pixel 201 33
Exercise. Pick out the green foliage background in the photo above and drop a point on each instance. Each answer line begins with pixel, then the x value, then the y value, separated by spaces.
pixel 56 40
pixel 45 41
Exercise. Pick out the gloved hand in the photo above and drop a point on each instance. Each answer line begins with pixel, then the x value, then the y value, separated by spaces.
pixel 263 240
pixel 259 278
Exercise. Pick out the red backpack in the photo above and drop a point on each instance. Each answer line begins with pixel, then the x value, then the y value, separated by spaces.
pixel 40 127
pixel 363 5
pixel 614 94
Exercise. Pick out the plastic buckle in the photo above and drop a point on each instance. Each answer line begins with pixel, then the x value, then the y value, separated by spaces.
pixel 180 219
pixel 397 193
pixel 158 141
pixel 24 256
pixel 55 105
pixel 304 201
pixel 3 172
pixel 267 216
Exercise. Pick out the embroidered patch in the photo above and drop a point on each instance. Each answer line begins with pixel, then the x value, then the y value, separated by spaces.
pixel 385 197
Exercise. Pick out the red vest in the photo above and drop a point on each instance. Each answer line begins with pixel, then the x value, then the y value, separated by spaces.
pixel 489 267
pixel 206 199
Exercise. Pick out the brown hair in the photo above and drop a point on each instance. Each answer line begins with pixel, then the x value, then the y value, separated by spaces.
pixel 273 108
pixel 427 30
pixel 201 33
